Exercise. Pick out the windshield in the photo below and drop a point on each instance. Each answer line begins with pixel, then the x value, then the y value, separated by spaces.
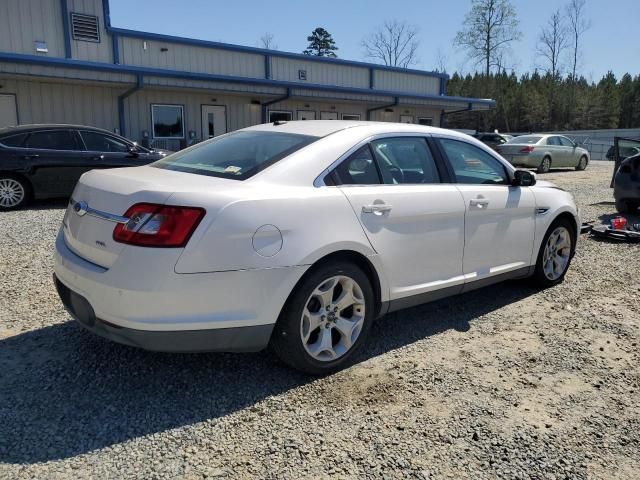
pixel 238 155
pixel 526 139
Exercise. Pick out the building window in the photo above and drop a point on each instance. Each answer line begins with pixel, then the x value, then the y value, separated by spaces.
pixel 428 121
pixel 168 121
pixel 350 116
pixel 85 27
pixel 280 116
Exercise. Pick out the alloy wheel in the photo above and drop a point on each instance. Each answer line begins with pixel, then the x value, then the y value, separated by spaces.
pixel 557 253
pixel 546 165
pixel 11 192
pixel 333 318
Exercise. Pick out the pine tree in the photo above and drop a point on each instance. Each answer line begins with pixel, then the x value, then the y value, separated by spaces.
pixel 321 44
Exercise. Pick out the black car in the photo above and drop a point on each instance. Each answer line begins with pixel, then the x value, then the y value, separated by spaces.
pixel 624 152
pixel 626 185
pixel 493 140
pixel 46 161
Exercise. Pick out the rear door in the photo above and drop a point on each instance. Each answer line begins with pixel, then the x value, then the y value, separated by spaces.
pixel 414 221
pixel 55 161
pixel 499 218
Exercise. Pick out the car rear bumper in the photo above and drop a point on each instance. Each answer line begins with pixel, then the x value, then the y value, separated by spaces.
pixel 161 310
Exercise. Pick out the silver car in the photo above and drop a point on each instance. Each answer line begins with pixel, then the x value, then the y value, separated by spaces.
pixel 543 152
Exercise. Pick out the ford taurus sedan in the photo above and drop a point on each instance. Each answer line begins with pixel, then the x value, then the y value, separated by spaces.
pixel 544 152
pixel 46 161
pixel 298 235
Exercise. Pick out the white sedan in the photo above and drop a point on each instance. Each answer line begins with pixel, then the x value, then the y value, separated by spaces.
pixel 300 235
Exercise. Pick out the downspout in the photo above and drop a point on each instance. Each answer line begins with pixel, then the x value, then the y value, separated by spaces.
pixel 443 113
pixel 65 28
pixel 371 110
pixel 271 102
pixel 121 119
pixel 115 48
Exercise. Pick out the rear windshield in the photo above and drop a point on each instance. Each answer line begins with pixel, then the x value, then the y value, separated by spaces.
pixel 526 139
pixel 238 155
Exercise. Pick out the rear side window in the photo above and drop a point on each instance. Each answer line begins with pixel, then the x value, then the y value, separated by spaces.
pixel 554 141
pixel 98 142
pixel 358 169
pixel 53 140
pixel 473 165
pixel 405 160
pixel 14 140
pixel 237 156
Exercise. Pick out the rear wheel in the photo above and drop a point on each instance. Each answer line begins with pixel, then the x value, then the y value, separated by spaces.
pixel 14 192
pixel 326 319
pixel 545 165
pixel 582 164
pixel 555 254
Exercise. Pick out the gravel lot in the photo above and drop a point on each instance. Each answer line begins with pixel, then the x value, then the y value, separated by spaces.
pixel 506 382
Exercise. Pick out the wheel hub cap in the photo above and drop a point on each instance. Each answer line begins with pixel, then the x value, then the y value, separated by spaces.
pixel 333 318
pixel 11 192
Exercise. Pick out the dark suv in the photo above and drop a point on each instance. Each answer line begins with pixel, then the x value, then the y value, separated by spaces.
pixel 46 161
pixel 493 140
pixel 626 185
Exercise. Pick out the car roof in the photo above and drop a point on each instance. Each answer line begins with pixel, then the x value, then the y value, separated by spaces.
pixel 47 126
pixel 322 128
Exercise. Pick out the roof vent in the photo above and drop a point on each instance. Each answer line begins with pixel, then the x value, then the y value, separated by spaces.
pixel 85 27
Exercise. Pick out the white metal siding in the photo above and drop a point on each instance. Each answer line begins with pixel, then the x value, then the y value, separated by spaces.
pixel 322 73
pixel 190 58
pixel 406 82
pixel 91 51
pixel 51 102
pixel 23 22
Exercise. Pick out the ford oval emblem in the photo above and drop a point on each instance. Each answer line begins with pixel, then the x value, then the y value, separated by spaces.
pixel 80 208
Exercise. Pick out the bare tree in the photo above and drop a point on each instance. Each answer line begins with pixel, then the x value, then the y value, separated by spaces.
pixel 552 42
pixel 578 25
pixel 441 61
pixel 394 43
pixel 267 41
pixel 489 28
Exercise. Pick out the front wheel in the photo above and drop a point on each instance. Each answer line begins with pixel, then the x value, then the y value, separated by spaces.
pixel 326 319
pixel 555 254
pixel 582 164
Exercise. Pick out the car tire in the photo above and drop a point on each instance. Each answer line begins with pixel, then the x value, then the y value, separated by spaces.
pixel 582 164
pixel 15 192
pixel 556 252
pixel 545 165
pixel 314 334
pixel 624 206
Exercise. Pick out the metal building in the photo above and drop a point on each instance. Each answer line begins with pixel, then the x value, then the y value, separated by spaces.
pixel 61 61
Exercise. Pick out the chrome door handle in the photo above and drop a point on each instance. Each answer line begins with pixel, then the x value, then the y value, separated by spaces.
pixel 479 203
pixel 376 208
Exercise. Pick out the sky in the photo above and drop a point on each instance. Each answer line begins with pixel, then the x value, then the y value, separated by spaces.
pixel 611 43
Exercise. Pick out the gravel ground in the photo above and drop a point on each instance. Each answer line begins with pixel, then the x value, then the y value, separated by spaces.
pixel 505 382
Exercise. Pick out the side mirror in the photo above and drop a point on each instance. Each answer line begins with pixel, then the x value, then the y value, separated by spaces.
pixel 523 178
pixel 133 150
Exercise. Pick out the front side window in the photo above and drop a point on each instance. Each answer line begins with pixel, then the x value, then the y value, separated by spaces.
pixel 53 140
pixel 405 160
pixel 97 142
pixel 358 169
pixel 473 165
pixel 238 155
pixel 168 121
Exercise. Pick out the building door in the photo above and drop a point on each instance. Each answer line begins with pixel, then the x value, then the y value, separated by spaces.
pixel 406 118
pixel 306 114
pixel 8 111
pixel 328 115
pixel 214 121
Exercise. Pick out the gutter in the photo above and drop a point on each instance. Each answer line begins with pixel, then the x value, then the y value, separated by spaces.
pixel 121 98
pixel 287 96
pixel 371 110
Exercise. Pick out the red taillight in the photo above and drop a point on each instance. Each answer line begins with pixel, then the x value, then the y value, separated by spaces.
pixel 527 149
pixel 152 225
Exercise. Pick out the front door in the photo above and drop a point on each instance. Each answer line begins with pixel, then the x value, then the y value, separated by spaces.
pixel 416 225
pixel 499 219
pixel 214 121
pixel 8 111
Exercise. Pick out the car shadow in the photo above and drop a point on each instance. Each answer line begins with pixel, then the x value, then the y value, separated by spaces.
pixel 49 204
pixel 65 392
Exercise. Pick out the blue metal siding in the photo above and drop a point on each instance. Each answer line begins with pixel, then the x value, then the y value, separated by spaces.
pixel 407 83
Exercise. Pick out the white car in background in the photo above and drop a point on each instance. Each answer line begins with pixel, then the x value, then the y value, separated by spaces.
pixel 299 235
